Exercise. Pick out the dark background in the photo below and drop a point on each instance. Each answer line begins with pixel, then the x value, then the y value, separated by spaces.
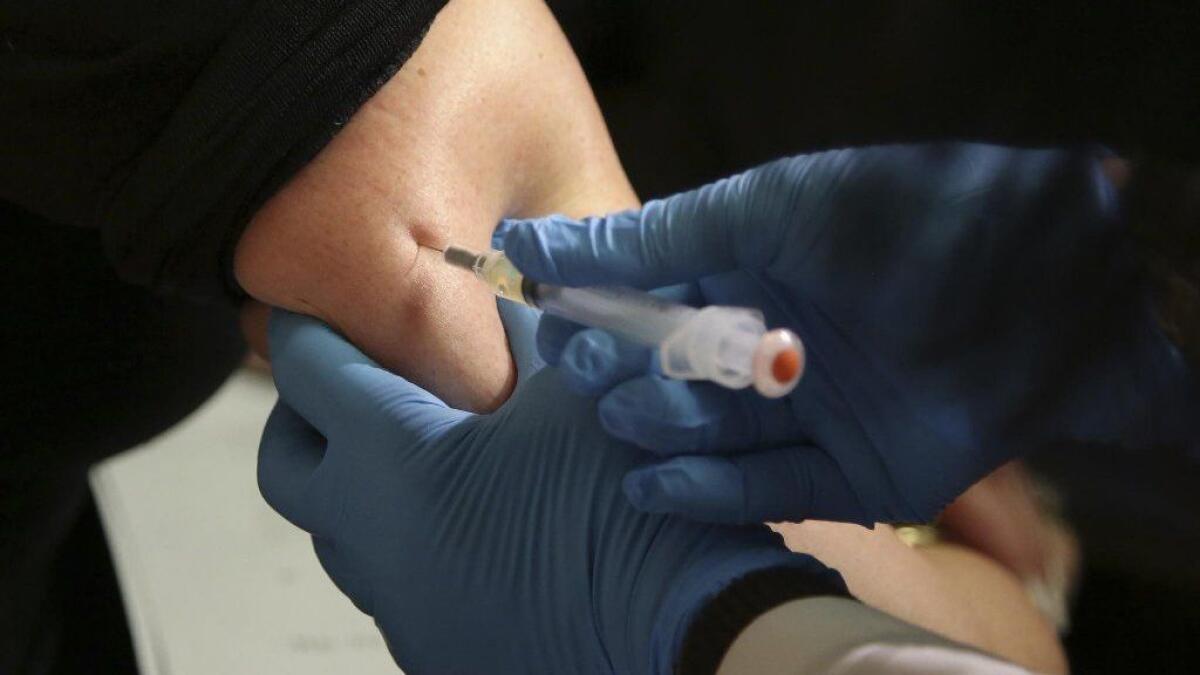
pixel 693 91
pixel 696 90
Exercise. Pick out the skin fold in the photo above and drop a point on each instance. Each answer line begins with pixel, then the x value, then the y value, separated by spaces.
pixel 492 117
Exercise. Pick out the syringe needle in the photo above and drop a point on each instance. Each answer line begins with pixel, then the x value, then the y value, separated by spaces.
pixel 432 248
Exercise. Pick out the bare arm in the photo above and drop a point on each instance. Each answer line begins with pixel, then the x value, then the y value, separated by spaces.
pixel 836 635
pixel 491 117
pixel 946 589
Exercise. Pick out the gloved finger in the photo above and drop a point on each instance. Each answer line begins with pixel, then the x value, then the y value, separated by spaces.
pixel 686 236
pixel 521 327
pixel 288 455
pixel 773 485
pixel 351 584
pixel 670 417
pixel 337 388
pixel 594 361
pixel 554 332
pixel 501 231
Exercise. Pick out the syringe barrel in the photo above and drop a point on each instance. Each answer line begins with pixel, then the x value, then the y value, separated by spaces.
pixel 727 345
pixel 631 314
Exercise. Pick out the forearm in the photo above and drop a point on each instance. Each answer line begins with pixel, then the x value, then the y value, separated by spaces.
pixel 818 635
pixel 491 117
pixel 945 589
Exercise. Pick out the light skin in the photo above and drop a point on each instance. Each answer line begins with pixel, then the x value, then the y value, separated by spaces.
pixel 490 118
pixel 947 589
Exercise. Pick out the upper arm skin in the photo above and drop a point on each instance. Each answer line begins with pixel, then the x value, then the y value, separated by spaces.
pixel 491 117
pixel 945 589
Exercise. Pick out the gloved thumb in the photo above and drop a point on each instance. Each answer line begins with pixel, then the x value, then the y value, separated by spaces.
pixel 342 393
pixel 521 327
pixel 288 454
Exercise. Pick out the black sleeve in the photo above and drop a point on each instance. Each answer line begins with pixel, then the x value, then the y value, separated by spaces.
pixel 728 613
pixel 166 124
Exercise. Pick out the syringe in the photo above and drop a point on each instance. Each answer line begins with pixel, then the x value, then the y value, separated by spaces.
pixel 727 345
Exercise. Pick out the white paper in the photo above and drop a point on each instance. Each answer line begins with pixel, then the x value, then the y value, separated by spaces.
pixel 213 580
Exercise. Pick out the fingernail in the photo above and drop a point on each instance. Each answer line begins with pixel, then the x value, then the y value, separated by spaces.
pixel 586 364
pixel 590 355
pixel 672 479
pixel 614 410
pixel 634 488
pixel 642 487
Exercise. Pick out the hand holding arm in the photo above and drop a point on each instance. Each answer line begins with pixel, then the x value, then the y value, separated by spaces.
pixel 497 543
pixel 959 304
pixel 490 117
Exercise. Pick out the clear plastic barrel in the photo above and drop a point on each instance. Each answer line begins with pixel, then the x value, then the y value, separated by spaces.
pixel 727 345
pixel 631 314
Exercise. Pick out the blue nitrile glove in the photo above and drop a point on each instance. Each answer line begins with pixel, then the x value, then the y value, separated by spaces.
pixel 959 304
pixel 487 543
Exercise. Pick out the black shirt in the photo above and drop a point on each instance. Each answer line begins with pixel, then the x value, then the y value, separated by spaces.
pixel 160 126
pixel 165 124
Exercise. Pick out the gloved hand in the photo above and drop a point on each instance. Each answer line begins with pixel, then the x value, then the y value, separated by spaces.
pixel 959 304
pixel 488 544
